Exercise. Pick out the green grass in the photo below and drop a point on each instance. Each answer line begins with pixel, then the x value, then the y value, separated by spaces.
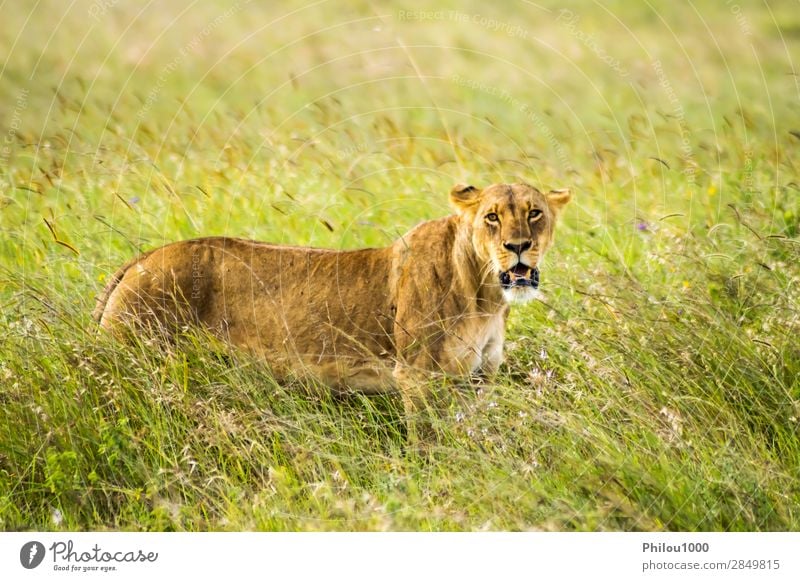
pixel 657 386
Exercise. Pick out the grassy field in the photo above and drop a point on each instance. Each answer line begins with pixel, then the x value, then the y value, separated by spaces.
pixel 656 386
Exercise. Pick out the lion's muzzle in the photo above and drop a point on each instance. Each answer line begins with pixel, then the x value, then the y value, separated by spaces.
pixel 520 275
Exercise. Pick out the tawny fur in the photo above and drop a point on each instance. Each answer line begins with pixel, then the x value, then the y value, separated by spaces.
pixel 366 320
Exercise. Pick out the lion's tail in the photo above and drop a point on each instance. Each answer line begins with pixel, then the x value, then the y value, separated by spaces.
pixel 102 298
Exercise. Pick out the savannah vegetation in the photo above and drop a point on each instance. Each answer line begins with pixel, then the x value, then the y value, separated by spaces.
pixel 656 385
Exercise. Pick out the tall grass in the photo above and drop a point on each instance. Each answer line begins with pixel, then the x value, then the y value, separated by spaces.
pixel 656 386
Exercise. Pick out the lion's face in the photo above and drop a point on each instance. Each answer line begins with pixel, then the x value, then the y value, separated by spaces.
pixel 512 226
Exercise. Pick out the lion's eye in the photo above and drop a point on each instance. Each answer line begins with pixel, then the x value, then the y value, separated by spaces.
pixel 492 217
pixel 534 214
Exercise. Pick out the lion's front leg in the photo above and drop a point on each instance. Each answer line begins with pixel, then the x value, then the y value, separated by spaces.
pixel 492 353
pixel 414 385
pixel 432 359
pixel 424 402
pixel 491 358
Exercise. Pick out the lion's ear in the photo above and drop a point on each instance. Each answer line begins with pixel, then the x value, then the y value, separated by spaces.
pixel 557 199
pixel 464 197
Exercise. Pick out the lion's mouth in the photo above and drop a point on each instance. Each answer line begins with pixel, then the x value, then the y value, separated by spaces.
pixel 520 275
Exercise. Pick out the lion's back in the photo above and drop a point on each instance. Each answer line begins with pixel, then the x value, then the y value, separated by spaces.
pixel 261 296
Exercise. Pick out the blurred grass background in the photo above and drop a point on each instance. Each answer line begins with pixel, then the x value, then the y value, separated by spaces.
pixel 656 386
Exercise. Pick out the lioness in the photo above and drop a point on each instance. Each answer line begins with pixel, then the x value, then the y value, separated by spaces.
pixel 367 320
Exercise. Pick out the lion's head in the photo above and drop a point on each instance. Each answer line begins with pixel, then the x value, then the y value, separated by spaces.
pixel 511 227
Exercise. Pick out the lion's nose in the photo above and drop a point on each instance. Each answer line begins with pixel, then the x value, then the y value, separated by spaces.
pixel 518 248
